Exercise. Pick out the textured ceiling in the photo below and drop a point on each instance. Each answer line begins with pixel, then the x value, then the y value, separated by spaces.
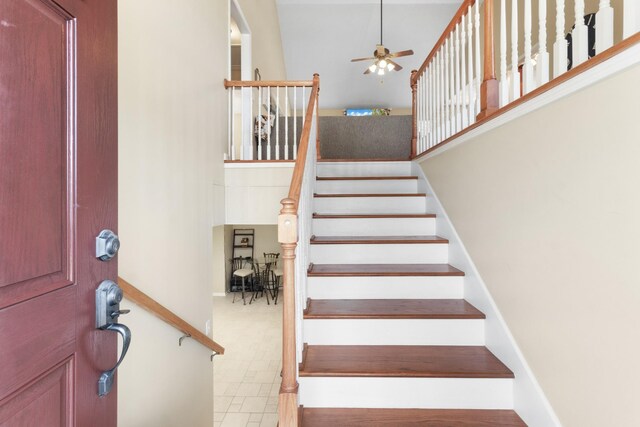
pixel 323 35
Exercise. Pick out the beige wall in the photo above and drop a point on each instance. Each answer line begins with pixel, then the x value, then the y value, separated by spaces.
pixel 547 206
pixel 266 44
pixel 172 133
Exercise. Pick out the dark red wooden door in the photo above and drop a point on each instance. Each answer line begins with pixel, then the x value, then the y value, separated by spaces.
pixel 58 190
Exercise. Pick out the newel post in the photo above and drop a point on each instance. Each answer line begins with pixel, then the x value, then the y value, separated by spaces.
pixel 316 79
pixel 288 238
pixel 489 92
pixel 414 112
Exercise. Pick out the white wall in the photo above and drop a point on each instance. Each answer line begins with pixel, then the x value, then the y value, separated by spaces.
pixel 322 36
pixel 546 206
pixel 172 133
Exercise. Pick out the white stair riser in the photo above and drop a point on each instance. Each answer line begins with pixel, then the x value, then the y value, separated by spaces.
pixel 374 186
pixel 370 205
pixel 415 253
pixel 364 169
pixel 377 226
pixel 425 287
pixel 394 331
pixel 444 393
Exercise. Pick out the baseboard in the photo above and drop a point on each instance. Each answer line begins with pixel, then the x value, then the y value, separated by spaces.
pixel 219 294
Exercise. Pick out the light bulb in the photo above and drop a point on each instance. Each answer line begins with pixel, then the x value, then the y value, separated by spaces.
pixel 381 71
pixel 390 67
pixel 373 68
pixel 382 63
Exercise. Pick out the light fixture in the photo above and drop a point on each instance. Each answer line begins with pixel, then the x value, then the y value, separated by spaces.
pixel 373 68
pixel 390 66
pixel 382 63
pixel 381 71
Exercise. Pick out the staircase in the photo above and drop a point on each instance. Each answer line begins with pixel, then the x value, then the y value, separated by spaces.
pixel 388 338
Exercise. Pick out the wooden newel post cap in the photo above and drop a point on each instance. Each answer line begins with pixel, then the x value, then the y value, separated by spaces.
pixel 288 222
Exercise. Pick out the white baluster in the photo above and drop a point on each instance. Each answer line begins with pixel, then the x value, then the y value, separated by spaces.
pixel 579 36
pixel 604 26
pixel 463 76
pixel 250 127
pixel 425 110
pixel 295 125
pixel 542 67
pixel 452 86
pixel 286 123
pixel 438 103
pixel 478 76
pixel 259 123
pixel 277 122
pixel 471 91
pixel 269 123
pixel 560 46
pixel 515 75
pixel 528 82
pixel 430 129
pixel 420 94
pixel 631 18
pixel 504 81
pixel 230 153
pixel 456 88
pixel 445 93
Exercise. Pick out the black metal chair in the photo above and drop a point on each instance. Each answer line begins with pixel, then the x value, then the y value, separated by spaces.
pixel 260 280
pixel 240 272
pixel 271 258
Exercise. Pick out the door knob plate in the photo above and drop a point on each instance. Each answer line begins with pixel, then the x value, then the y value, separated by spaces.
pixel 107 245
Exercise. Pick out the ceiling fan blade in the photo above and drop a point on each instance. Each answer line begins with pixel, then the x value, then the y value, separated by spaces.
pixel 401 53
pixel 397 67
pixel 362 59
pixel 367 71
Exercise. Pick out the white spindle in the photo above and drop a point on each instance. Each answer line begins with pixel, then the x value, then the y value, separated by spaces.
pixel 430 128
pixel 278 123
pixel 304 104
pixel 286 123
pixel 471 91
pixel 229 127
pixel 269 123
pixel 504 81
pixel 445 91
pixel 579 36
pixel 452 86
pixel 456 88
pixel 528 82
pixel 631 18
pixel 478 75
pixel 463 76
pixel 439 121
pixel 515 75
pixel 250 128
pixel 542 66
pixel 425 98
pixel 420 113
pixel 425 107
pixel 560 46
pixel 295 124
pixel 259 123
pixel 604 24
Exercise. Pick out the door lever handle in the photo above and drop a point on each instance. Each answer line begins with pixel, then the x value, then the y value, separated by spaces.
pixel 106 379
pixel 115 314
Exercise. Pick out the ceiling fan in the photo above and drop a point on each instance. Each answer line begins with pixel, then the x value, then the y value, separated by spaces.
pixel 382 57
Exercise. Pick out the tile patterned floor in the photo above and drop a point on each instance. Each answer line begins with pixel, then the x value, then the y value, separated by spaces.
pixel 246 379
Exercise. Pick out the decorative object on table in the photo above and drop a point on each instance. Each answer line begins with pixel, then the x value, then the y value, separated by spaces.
pixel 382 58
pixel 359 112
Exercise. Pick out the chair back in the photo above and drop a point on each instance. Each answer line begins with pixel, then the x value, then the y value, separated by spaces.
pixel 271 258
pixel 237 263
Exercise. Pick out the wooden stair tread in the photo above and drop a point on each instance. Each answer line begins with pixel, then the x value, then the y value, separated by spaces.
pixel 420 361
pixel 345 240
pixel 370 195
pixel 391 309
pixel 380 417
pixel 332 270
pixel 365 178
pixel 367 216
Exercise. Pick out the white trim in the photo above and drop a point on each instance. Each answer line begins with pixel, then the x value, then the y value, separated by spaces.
pixel 529 399
pixel 606 69
pixel 258 165
pixel 219 294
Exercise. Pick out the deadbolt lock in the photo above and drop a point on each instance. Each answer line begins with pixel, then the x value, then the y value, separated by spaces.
pixel 107 245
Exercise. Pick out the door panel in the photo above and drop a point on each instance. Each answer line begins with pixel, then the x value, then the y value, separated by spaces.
pixel 37 231
pixel 58 190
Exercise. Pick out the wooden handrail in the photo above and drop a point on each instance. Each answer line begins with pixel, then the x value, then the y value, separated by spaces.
pixel 145 301
pixel 267 83
pixel 298 171
pixel 452 25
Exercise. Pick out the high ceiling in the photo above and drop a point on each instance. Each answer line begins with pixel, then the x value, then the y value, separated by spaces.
pixel 323 35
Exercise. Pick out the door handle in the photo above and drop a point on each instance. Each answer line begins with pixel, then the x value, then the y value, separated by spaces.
pixel 108 297
pixel 106 379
